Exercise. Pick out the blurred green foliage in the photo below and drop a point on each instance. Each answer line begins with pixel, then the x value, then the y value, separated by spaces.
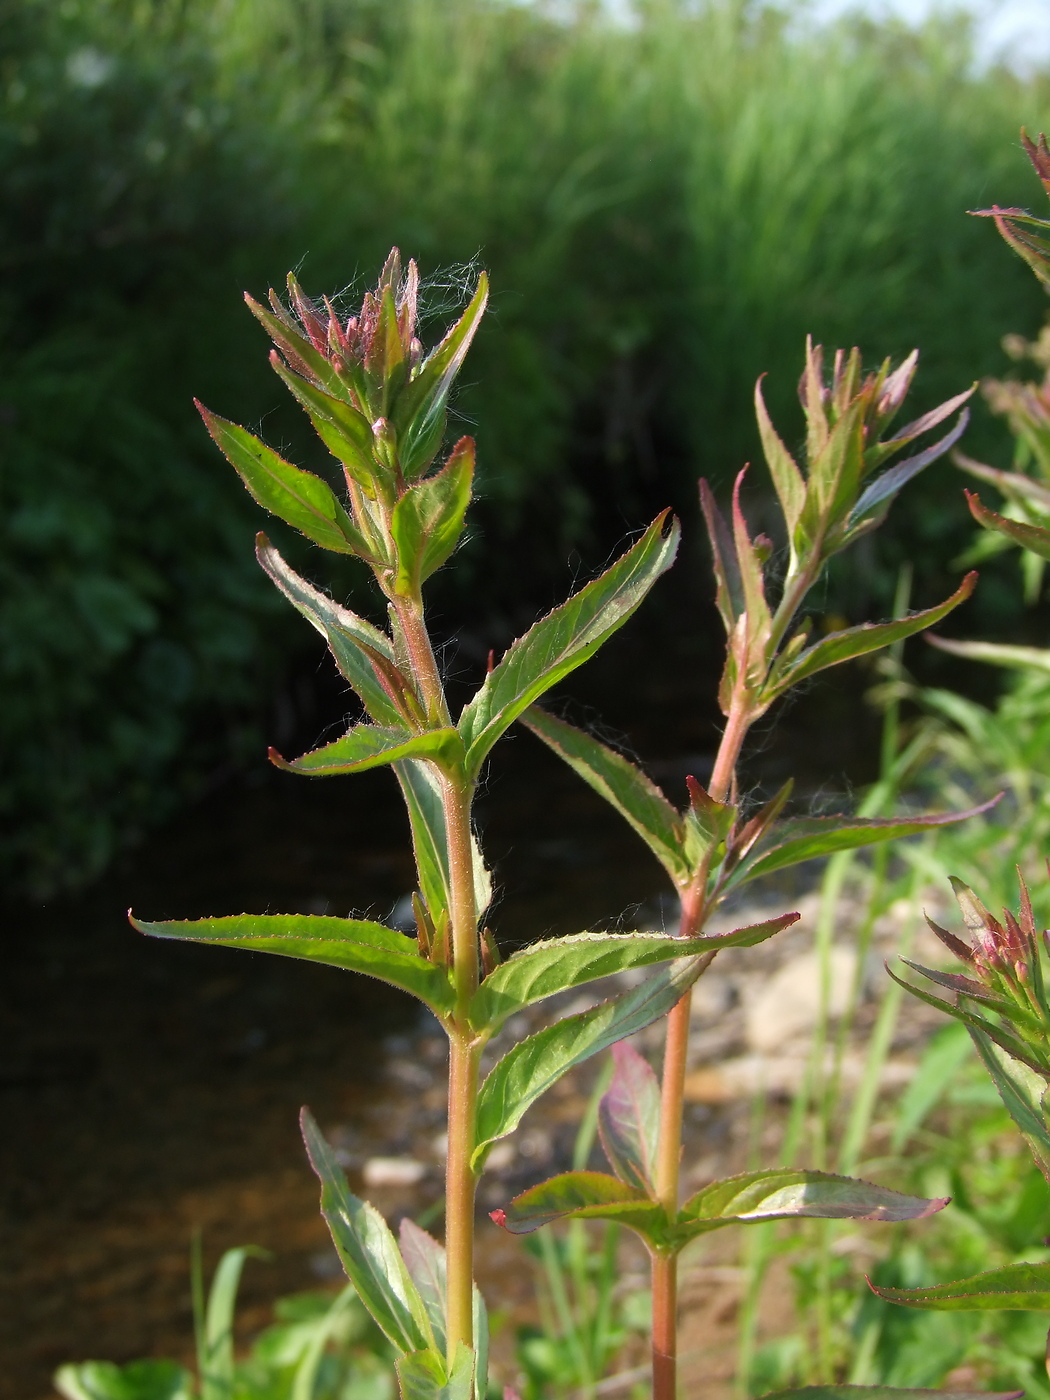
pixel 666 206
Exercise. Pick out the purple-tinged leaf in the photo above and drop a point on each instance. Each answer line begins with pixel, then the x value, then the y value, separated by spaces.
pixel 370 746
pixel 354 944
pixel 352 641
pixel 805 838
pixel 1031 537
pixel 729 595
pixel 966 986
pixel 928 420
pixel 623 785
pixel 962 950
pixel 875 500
pixel 565 639
pixel 369 1253
pixel 1024 1287
pixel 740 842
pixel 424 1375
pixel 1002 1037
pixel 580 1196
pixel 1024 490
pixel 785 1193
pixel 837 647
pixel 629 1119
pixel 749 562
pixel 425 1261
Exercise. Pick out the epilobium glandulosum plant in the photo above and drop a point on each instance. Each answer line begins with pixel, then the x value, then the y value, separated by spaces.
pixel 379 403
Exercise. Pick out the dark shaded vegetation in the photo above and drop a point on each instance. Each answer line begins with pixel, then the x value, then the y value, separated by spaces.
pixel 665 210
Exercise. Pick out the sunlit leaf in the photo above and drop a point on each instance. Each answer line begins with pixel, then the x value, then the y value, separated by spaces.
pixel 349 637
pixel 564 639
pixel 427 520
pixel 354 944
pixel 370 746
pixel 1033 537
pixel 638 800
pixel 805 838
pixel 1002 1037
pixel 419 410
pixel 346 432
pixel 530 1068
pixel 629 1119
pixel 421 788
pixel 425 1260
pixel 580 1196
pixel 1025 1287
pixel 368 1250
pixel 787 479
pixel 837 647
pixel 299 498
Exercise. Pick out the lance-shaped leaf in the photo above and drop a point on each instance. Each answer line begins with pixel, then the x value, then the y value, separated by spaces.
pixel 1033 537
pixel 708 825
pixel 427 520
pixel 304 358
pixel 344 431
pixel 837 647
pixel 529 1069
pixel 805 838
pixel 580 1196
pixel 637 799
pixel 997 653
pixel 558 964
pixel 355 944
pixel 421 788
pixel 423 1375
pixel 1014 1047
pixel 787 479
pixel 1025 234
pixel 419 410
pixel 350 638
pixel 785 1193
pixel 1023 1094
pixel 1023 1287
pixel 370 746
pixel 729 588
pixel 886 1392
pixel 629 1119
pixel 876 500
pixel 1015 486
pixel 368 1250
pixel 426 1263
pixel 299 498
pixel 564 639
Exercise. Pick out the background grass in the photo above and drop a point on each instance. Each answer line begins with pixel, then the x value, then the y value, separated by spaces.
pixel 667 207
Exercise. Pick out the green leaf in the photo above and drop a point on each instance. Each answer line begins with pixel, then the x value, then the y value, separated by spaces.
pixel 369 1253
pixel 418 413
pixel 629 1119
pixel 785 1193
pixel 787 479
pixel 1024 1287
pixel 1022 1092
pixel 997 653
pixel 354 944
pixel 1032 537
pixel 215 1339
pixel 579 1196
pixel 638 800
pixel 563 640
pixel 136 1380
pixel 344 431
pixel 425 1260
pixel 805 838
pixel 301 354
pixel 349 637
pixel 858 641
pixel 530 1068
pixel 423 1375
pixel 1008 1041
pixel 299 498
pixel 370 746
pixel 729 592
pixel 421 788
pixel 427 521
pixel 1022 490
pixel 886 1392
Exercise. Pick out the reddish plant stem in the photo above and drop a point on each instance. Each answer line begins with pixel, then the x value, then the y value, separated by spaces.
pixel 672 1086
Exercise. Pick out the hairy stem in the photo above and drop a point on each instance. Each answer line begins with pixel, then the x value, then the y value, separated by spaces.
pixel 421 654
pixel 459 1190
pixel 672 1085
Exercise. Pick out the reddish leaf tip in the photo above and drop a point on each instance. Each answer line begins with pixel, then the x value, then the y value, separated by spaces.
pixel 278 760
pixel 499 1216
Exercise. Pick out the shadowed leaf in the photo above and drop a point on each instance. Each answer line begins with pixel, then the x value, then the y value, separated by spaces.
pixel 369 1253
pixel 997 653
pixel 423 1375
pixel 581 1196
pixel 629 1119
pixel 1022 1092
